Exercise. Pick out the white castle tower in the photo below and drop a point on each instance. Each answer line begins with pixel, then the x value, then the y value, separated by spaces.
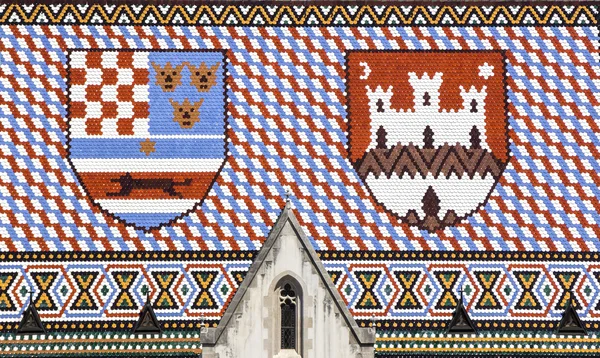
pixel 407 125
pixel 457 196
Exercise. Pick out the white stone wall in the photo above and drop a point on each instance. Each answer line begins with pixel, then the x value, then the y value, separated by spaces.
pixel 253 331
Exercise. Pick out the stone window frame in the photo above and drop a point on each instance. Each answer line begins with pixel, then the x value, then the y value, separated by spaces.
pixel 281 281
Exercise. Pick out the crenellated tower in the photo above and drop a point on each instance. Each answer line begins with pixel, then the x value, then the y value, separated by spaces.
pixel 441 125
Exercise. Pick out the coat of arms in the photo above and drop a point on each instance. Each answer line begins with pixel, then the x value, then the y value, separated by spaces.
pixel 428 131
pixel 146 130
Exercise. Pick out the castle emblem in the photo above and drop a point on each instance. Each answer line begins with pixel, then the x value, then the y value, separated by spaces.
pixel 146 130
pixel 428 131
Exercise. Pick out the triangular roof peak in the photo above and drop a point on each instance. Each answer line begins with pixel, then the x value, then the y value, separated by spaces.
pixel 147 322
pixel 570 324
pixel 31 322
pixel 461 322
pixel 363 336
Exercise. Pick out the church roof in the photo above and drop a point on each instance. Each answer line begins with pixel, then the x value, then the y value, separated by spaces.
pixel 108 195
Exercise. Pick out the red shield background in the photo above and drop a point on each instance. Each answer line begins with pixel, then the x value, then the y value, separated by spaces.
pixel 405 108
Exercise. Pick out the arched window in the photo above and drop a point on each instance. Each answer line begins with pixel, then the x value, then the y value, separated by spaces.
pixel 288 305
pixel 287 324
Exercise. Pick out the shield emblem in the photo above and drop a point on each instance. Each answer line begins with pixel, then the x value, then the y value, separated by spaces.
pixel 428 131
pixel 146 131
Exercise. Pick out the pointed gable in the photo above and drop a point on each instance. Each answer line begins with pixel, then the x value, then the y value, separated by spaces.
pixel 31 322
pixel 252 317
pixel 147 322
pixel 461 322
pixel 570 324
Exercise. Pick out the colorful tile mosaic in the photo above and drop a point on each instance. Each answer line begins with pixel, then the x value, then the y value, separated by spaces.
pixel 146 131
pixel 494 292
pixel 146 151
pixel 111 289
pixel 289 128
pixel 184 288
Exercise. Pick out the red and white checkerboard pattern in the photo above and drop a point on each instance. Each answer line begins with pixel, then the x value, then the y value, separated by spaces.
pixel 109 94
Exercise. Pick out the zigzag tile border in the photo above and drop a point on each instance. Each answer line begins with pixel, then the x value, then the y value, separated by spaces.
pixel 91 291
pixel 498 294
pixel 107 290
pixel 302 15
